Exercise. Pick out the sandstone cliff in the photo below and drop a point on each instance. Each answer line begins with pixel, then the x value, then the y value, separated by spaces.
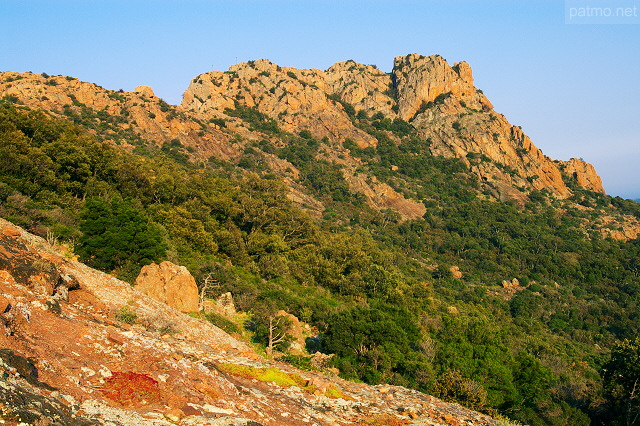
pixel 68 358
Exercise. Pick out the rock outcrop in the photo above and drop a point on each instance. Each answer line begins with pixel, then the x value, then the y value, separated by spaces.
pixel 584 174
pixel 298 330
pixel 420 80
pixel 224 305
pixel 170 284
pixel 296 99
pixel 137 113
pixel 73 362
pixel 621 228
pixel 364 87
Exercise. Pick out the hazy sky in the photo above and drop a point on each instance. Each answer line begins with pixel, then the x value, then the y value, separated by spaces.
pixel 574 89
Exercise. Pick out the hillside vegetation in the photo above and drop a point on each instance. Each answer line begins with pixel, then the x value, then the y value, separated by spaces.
pixel 508 307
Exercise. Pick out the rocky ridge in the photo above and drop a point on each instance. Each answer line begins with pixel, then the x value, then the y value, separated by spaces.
pixel 438 101
pixel 139 112
pixel 69 358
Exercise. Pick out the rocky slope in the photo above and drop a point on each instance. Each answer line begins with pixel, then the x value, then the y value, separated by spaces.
pixel 139 112
pixel 437 102
pixel 69 359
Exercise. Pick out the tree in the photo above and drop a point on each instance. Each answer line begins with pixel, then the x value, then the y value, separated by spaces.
pixel 372 343
pixel 271 327
pixel 621 376
pixel 277 332
pixel 116 234
pixel 453 386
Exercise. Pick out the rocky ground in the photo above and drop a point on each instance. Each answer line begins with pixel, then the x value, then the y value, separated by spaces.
pixel 69 357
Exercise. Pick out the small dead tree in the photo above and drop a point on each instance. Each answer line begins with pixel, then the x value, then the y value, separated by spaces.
pixel 277 332
pixel 209 283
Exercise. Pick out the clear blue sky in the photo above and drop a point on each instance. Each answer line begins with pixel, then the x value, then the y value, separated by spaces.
pixel 574 89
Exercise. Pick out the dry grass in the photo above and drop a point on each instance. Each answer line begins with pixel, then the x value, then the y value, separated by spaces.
pixel 379 420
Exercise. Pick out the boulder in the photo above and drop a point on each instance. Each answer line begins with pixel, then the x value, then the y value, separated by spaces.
pixel 514 283
pixel 224 305
pixel 297 330
pixel 171 284
pixel 145 91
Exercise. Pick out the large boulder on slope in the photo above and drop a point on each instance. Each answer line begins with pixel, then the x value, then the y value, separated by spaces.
pixel 171 284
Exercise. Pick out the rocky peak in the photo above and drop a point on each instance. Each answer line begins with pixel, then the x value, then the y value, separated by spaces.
pixel 363 86
pixel 421 79
pixel 296 99
pixel 584 174
pixel 144 91
pixel 439 101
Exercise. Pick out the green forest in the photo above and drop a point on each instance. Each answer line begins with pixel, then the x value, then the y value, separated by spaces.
pixel 564 350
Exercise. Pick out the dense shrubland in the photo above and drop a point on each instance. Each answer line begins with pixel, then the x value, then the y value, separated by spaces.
pixel 379 290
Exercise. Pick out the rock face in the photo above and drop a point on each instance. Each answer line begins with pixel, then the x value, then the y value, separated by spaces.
pixel 584 174
pixel 72 362
pixel 297 99
pixel 421 80
pixel 170 284
pixel 363 86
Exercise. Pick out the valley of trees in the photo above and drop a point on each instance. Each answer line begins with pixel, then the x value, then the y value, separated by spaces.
pixel 562 350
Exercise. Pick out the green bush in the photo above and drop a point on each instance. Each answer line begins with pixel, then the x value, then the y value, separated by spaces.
pixel 116 233
pixel 223 323
pixel 126 315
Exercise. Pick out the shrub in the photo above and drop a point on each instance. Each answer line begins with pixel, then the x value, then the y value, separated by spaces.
pixel 300 361
pixel 126 315
pixel 256 119
pixel 454 387
pixel 223 323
